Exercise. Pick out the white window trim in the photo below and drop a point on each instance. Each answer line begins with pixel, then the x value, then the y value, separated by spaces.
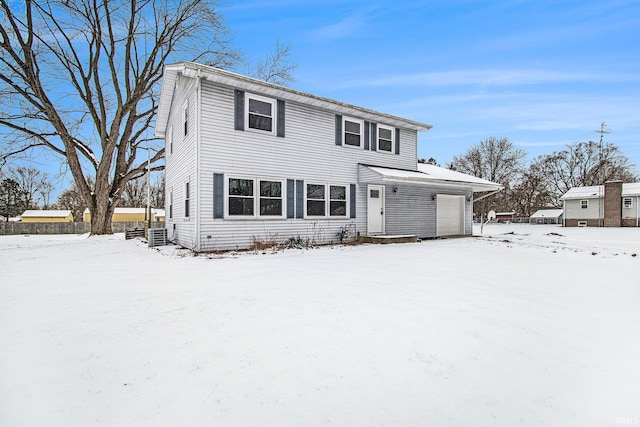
pixel 185 119
pixel 187 199
pixel 327 200
pixel 256 198
pixel 393 138
pixel 344 130
pixel 274 111
pixel 624 202
pixel 587 206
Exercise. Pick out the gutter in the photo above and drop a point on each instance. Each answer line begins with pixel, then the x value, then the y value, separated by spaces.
pixel 486 195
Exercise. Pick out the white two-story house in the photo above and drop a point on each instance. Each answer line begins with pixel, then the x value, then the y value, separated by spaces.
pixel 248 160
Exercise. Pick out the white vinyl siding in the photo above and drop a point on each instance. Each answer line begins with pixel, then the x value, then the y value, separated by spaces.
pixel 308 153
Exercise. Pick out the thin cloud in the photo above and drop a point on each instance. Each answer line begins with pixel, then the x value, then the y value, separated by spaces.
pixel 344 28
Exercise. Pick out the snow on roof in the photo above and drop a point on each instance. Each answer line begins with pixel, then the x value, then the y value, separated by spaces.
pixel 35 213
pixel 430 174
pixel 158 212
pixel 511 213
pixel 547 213
pixel 596 191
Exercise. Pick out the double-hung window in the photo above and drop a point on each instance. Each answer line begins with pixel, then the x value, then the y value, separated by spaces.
pixel 241 201
pixel 385 138
pixel 352 131
pixel 326 200
pixel 627 202
pixel 187 198
pixel 254 197
pixel 185 118
pixel 170 139
pixel 171 204
pixel 260 113
pixel 584 204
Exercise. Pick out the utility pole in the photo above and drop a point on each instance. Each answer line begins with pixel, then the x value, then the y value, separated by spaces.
pixel 602 131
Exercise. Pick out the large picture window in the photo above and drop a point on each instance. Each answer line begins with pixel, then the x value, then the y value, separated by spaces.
pixel 352 131
pixel 385 138
pixel 260 113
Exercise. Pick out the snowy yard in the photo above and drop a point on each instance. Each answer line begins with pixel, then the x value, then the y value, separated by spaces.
pixel 540 327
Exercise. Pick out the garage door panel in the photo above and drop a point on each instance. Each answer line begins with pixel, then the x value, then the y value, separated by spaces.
pixel 450 215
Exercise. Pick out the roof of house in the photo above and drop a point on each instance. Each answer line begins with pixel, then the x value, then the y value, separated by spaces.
pixel 158 212
pixel 227 78
pixel 547 213
pixel 597 191
pixel 35 213
pixel 511 213
pixel 435 175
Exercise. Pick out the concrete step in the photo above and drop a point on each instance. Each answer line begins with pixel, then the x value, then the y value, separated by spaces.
pixel 386 239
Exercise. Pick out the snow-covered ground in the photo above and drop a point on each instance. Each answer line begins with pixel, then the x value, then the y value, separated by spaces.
pixel 523 325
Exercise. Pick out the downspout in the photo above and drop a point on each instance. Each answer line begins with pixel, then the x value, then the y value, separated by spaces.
pixel 198 159
pixel 487 195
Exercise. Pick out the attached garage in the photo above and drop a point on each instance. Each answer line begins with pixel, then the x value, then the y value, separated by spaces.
pixel 449 215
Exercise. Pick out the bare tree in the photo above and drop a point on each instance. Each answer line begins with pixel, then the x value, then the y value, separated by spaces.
pixel 275 67
pixel 584 164
pixel 531 192
pixel 72 199
pixel 32 184
pixel 497 160
pixel 79 79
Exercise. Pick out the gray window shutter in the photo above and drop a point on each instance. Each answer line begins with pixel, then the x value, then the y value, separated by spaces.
pixel 239 107
pixel 366 135
pixel 280 130
pixel 338 129
pixel 397 141
pixel 299 198
pixel 291 195
pixel 374 137
pixel 352 201
pixel 218 195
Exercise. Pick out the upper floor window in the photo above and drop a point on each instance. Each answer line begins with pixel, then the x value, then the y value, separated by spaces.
pixel 584 204
pixel 170 139
pixel 260 113
pixel 185 118
pixel 352 131
pixel 385 138
pixel 627 202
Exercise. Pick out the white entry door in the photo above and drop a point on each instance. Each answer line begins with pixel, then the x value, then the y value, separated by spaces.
pixel 375 209
pixel 449 215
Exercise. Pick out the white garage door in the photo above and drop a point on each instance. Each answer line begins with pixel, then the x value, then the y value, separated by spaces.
pixel 450 215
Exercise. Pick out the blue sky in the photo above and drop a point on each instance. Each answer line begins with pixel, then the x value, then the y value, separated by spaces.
pixel 542 73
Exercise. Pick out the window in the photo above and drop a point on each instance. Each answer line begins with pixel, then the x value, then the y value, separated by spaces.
pixel 627 202
pixel 186 199
pixel 170 139
pixel 185 118
pixel 315 200
pixel 270 198
pixel 243 202
pixel 260 113
pixel 385 138
pixel 171 204
pixel 326 200
pixel 240 197
pixel 337 200
pixel 584 204
pixel 352 131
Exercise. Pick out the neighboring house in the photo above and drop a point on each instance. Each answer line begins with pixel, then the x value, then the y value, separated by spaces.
pixel 47 216
pixel 127 215
pixel 613 204
pixel 158 215
pixel 506 216
pixel 546 216
pixel 248 160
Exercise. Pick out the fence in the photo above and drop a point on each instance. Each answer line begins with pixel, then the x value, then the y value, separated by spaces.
pixel 7 228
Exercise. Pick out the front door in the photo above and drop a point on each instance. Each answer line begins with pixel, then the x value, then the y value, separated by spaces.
pixel 375 209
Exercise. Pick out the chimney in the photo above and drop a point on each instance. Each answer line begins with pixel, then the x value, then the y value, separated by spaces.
pixel 613 204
